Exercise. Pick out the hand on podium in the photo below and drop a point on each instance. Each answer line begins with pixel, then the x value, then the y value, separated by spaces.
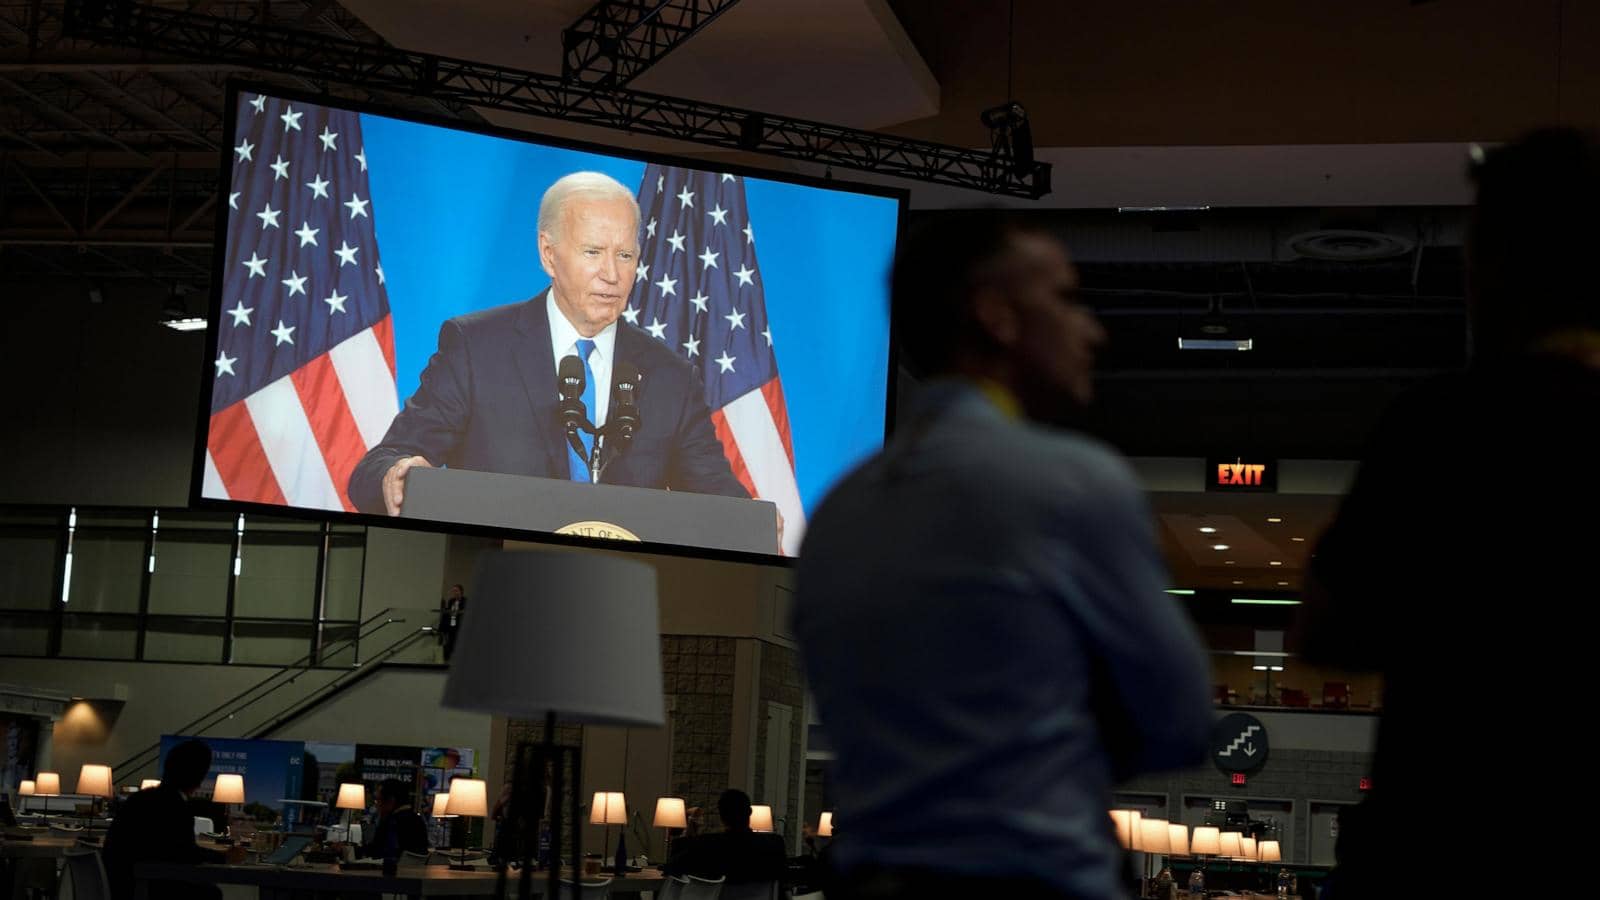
pixel 394 483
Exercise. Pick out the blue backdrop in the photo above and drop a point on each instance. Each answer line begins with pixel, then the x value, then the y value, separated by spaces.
pixel 455 216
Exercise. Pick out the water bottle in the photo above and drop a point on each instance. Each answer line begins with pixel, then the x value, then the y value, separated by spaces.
pixel 1197 882
pixel 1284 884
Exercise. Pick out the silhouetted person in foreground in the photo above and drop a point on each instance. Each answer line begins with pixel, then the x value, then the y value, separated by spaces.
pixel 981 607
pixel 1458 563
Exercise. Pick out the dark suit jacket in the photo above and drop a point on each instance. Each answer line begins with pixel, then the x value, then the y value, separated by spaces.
pixel 488 403
pixel 739 856
pixel 155 825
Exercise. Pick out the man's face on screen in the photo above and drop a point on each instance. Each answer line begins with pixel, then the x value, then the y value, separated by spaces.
pixel 1056 348
pixel 591 262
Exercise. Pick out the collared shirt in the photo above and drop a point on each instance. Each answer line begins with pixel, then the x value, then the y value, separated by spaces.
pixel 564 342
pixel 981 613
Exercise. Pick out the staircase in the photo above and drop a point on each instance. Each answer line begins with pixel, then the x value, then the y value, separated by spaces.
pixel 275 689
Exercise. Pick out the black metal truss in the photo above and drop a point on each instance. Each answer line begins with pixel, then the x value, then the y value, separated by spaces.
pixel 616 40
pixel 331 60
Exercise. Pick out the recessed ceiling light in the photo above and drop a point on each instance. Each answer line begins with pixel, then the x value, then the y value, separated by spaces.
pixel 1274 519
pixel 1275 563
pixel 1258 668
pixel 1251 601
pixel 1207 529
pixel 1238 582
pixel 1180 591
pixel 1298 540
pixel 1283 584
pixel 1219 546
pixel 1228 562
pixel 1276 668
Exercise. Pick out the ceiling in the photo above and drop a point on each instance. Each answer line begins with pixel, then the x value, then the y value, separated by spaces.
pixel 1243 523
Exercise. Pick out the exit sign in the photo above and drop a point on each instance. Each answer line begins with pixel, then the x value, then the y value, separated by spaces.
pixel 1238 779
pixel 1365 784
pixel 1241 475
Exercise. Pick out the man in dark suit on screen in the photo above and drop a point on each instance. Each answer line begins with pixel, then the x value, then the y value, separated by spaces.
pixel 488 399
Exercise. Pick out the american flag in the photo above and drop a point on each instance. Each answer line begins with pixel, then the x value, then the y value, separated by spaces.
pixel 698 288
pixel 304 379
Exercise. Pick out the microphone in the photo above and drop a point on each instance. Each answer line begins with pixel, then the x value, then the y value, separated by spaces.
pixel 570 381
pixel 625 403
pixel 623 419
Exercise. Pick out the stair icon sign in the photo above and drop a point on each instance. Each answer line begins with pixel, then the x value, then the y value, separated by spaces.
pixel 1239 741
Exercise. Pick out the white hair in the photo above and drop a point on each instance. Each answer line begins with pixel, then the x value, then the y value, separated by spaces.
pixel 579 186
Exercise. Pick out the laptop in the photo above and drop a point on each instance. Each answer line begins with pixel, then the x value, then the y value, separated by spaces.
pixel 292 846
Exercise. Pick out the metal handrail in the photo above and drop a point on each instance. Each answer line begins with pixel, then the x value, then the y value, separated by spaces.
pixel 266 687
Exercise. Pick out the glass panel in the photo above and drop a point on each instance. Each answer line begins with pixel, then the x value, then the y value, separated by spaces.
pixel 113 518
pixel 99 637
pixel 28 558
pixel 277 575
pixel 25 635
pixel 347 554
pixel 339 645
pixel 192 572
pixel 278 643
pixel 33 516
pixel 107 570
pixel 184 640
pixel 198 519
pixel 253 522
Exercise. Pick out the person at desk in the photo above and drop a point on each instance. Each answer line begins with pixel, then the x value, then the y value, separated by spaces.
pixel 400 829
pixel 157 825
pixel 736 852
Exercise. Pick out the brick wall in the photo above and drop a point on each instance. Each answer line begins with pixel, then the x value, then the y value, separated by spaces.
pixel 697 676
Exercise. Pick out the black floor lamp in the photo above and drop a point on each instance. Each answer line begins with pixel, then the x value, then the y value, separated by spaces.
pixel 565 636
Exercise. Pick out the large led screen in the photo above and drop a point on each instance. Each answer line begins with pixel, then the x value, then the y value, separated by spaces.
pixel 557 338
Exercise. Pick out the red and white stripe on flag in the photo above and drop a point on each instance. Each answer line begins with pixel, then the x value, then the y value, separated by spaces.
pixel 297 440
pixel 754 431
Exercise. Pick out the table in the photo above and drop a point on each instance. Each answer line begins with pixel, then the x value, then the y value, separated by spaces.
pixel 416 882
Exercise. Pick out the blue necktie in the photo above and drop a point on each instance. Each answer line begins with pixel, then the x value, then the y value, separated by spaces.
pixel 578 464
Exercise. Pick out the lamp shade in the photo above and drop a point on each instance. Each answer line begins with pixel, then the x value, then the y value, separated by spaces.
pixel 825 825
pixel 149 783
pixel 670 813
pixel 94 781
pixel 229 789
pixel 1230 844
pixel 25 788
pixel 1206 839
pixel 441 802
pixel 760 817
pixel 1135 833
pixel 1156 836
pixel 352 795
pixel 1178 838
pixel 1247 848
pixel 576 634
pixel 1270 852
pixel 1122 820
pixel 468 797
pixel 609 808
pixel 47 784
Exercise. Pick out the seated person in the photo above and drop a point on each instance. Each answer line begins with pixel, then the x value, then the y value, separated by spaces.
pixel 399 829
pixel 735 853
pixel 157 825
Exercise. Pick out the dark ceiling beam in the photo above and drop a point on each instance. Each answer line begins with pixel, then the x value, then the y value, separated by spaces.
pixel 137 106
pixel 51 110
pixel 324 59
pixel 133 194
pixel 617 40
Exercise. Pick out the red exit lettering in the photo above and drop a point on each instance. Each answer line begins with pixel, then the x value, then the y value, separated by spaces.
pixel 1241 473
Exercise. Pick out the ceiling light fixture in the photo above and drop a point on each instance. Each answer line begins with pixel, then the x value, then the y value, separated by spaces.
pixel 1274 519
pixel 1207 529
pixel 1298 540
pixel 1219 546
pixel 1275 563
pixel 1181 591
pixel 1255 601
